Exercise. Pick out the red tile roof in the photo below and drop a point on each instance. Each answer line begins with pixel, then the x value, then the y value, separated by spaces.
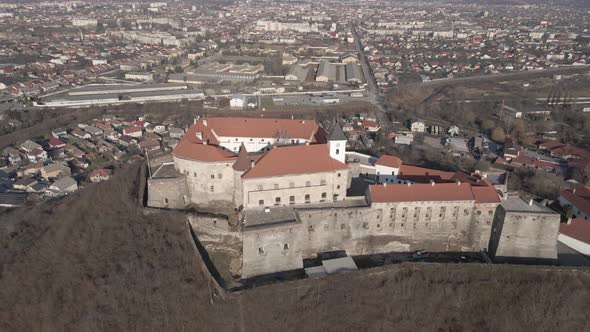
pixel 389 161
pixel 484 193
pixel 421 174
pixel 54 142
pixel 132 129
pixel 256 127
pixel 580 198
pixel 421 192
pixel 299 159
pixel 578 229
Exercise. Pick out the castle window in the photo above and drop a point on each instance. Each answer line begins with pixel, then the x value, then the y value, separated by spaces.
pixel 324 195
pixel 378 225
pixel 479 213
pixel 323 182
pixel 260 251
pixel 195 174
pixel 339 174
pixel 366 225
pixel 466 212
pixel 490 212
pixel 212 188
pixel 338 187
pixel 261 202
pixel 219 176
pixel 166 200
pixel 286 246
pixel 310 228
pixel 277 200
pixel 276 186
pixel 326 227
pixel 337 151
pixel 307 183
pixel 236 139
pixel 291 199
pixel 306 198
pixel 342 226
pixel 212 176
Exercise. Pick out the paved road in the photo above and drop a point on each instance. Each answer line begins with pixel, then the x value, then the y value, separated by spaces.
pixel 374 93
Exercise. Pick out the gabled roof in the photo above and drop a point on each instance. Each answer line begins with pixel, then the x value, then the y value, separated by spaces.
pixel 421 192
pixel 423 175
pixel 299 159
pixel 579 197
pixel 389 161
pixel 578 229
pixel 255 127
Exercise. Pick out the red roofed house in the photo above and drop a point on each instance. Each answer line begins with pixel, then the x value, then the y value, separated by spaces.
pixel 100 174
pixel 55 143
pixel 370 126
pixel 579 199
pixel 132 131
pixel 576 235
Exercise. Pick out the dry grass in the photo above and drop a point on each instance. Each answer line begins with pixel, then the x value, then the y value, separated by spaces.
pixel 95 261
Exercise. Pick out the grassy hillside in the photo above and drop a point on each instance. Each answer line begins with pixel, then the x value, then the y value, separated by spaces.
pixel 96 261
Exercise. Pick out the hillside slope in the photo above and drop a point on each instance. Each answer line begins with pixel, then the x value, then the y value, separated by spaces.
pixel 96 261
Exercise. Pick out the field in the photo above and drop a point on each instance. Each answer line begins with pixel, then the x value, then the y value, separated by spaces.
pixel 97 261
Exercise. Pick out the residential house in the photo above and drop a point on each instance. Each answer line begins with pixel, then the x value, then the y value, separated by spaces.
pixel 63 186
pixel 149 145
pixel 92 130
pixel 59 132
pixel 100 174
pixel 176 132
pixel 81 134
pixel 132 131
pixel 55 170
pixel 453 131
pixel 55 143
pixel 418 127
pixel 370 126
pixel 29 146
pixel 579 199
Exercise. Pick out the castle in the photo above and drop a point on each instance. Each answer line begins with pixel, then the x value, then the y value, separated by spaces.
pixel 289 179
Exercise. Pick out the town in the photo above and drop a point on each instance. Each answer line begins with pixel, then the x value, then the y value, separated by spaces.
pixel 304 140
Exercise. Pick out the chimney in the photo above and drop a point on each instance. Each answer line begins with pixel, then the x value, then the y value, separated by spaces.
pixel 205 122
pixel 432 183
pixel 569 220
pixel 200 135
pixel 531 202
pixel 302 121
pixel 292 117
pixel 205 142
pixel 409 184
pixel 195 120
pixel 384 184
pixel 574 191
pixel 252 163
pixel 458 183
pixel 484 175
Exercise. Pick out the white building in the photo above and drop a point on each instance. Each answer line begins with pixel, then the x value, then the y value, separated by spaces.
pixel 418 127
pixel 387 169
pixel 257 134
pixel 237 102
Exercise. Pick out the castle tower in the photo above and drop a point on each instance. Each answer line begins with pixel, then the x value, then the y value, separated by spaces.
pixel 337 142
pixel 240 166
